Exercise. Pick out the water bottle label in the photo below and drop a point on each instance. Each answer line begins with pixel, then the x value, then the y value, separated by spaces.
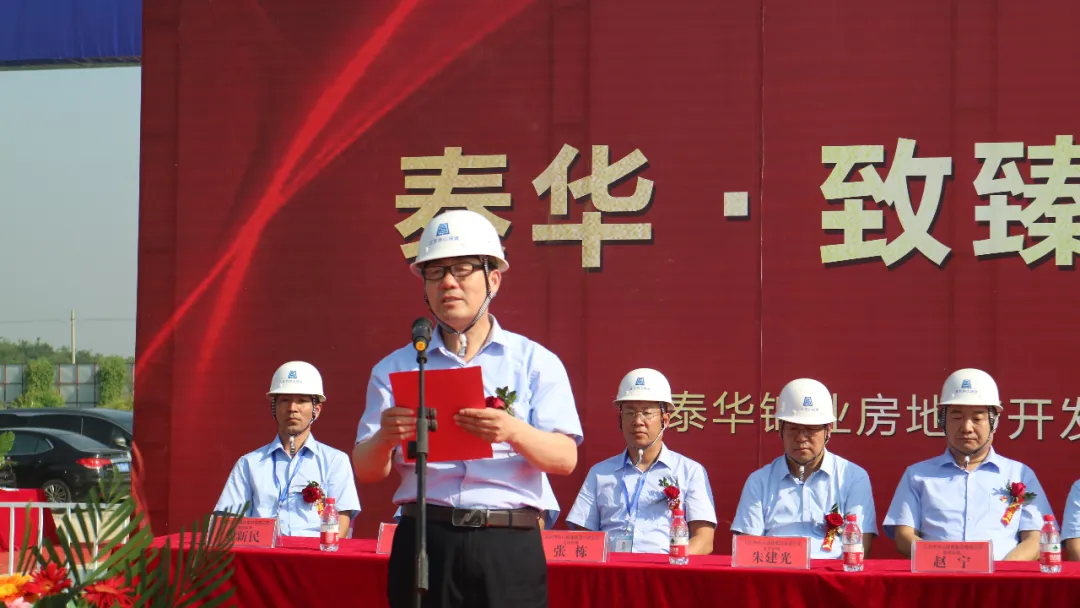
pixel 853 556
pixel 328 537
pixel 1050 554
pixel 678 550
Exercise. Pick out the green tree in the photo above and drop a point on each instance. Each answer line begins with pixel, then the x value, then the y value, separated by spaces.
pixel 39 385
pixel 22 352
pixel 112 375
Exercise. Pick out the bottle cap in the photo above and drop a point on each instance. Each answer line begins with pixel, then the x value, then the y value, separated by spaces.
pixel 330 500
pixel 851 517
pixel 1048 517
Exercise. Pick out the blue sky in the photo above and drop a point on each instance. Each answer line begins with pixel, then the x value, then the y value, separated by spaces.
pixel 69 205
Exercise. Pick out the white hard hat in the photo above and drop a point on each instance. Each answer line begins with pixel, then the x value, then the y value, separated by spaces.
pixel 805 401
pixel 459 233
pixel 297 378
pixel 644 384
pixel 970 387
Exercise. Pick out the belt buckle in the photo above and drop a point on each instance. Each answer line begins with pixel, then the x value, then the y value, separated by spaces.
pixel 469 518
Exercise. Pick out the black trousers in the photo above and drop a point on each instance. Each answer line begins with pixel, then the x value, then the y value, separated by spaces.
pixel 470 567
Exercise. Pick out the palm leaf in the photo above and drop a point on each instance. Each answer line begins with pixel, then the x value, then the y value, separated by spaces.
pixel 160 577
pixel 7 441
pixel 196 568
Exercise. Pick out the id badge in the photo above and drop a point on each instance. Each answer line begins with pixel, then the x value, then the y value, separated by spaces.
pixel 621 541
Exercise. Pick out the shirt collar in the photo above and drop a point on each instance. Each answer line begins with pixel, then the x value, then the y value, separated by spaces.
pixel 496 336
pixel 275 445
pixel 666 457
pixel 992 458
pixel 828 465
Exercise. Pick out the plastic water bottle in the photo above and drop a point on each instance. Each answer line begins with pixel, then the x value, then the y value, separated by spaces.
pixel 853 547
pixel 679 549
pixel 1050 547
pixel 328 531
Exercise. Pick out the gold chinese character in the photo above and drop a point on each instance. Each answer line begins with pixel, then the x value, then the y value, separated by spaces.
pixel 687 412
pixel 734 406
pixel 443 187
pixel 592 232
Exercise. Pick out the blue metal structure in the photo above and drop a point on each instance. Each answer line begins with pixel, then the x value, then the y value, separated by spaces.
pixel 70 33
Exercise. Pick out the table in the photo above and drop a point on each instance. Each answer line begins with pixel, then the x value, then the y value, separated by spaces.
pixel 298 574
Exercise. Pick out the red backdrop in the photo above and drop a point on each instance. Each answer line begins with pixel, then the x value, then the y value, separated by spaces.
pixel 274 134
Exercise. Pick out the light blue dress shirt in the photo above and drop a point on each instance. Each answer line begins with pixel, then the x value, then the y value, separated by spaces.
pixel 775 503
pixel 550 511
pixel 507 480
pixel 272 482
pixel 944 502
pixel 604 501
pixel 1070 521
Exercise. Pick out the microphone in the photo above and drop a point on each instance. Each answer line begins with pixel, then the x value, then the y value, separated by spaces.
pixel 421 333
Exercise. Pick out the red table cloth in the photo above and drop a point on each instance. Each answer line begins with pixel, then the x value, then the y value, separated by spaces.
pixel 298 574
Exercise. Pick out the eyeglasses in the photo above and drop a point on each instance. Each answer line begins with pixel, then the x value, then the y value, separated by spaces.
pixel 809 431
pixel 648 414
pixel 460 270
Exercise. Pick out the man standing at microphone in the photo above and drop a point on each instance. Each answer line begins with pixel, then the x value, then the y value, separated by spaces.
pixel 483 534
pixel 970 492
pixel 629 495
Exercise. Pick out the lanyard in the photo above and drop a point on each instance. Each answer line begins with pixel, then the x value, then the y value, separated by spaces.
pixel 283 493
pixel 632 505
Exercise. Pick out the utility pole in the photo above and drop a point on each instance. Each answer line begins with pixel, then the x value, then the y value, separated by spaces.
pixel 73 336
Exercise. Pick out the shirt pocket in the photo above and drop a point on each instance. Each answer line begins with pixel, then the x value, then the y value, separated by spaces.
pixel 609 503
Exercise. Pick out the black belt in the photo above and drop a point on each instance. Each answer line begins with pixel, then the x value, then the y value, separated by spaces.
pixel 476 518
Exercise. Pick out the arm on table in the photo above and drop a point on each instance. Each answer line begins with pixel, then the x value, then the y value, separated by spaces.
pixel 1028 548
pixel 1072 549
pixel 701 537
pixel 905 536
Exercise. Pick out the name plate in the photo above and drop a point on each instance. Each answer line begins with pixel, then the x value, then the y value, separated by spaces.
pixel 770 552
pixel 566 546
pixel 256 532
pixel 386 538
pixel 952 556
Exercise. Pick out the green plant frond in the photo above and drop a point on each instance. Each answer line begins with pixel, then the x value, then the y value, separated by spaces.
pixel 197 567
pixel 7 441
pixel 25 551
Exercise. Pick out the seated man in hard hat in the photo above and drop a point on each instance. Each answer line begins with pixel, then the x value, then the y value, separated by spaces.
pixel 483 535
pixel 631 495
pixel 290 478
pixel 808 491
pixel 1070 523
pixel 970 492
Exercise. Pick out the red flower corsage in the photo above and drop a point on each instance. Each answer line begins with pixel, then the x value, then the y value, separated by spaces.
pixel 502 400
pixel 834 521
pixel 1016 495
pixel 314 494
pixel 671 493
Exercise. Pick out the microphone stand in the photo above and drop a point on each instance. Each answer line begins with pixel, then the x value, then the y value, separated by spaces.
pixel 418 450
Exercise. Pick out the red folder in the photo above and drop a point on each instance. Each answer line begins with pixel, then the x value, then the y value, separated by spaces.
pixel 448 391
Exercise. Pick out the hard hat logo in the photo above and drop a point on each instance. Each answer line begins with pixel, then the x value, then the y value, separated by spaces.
pixel 805 401
pixel 459 233
pixel 634 387
pixel 970 387
pixel 299 378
